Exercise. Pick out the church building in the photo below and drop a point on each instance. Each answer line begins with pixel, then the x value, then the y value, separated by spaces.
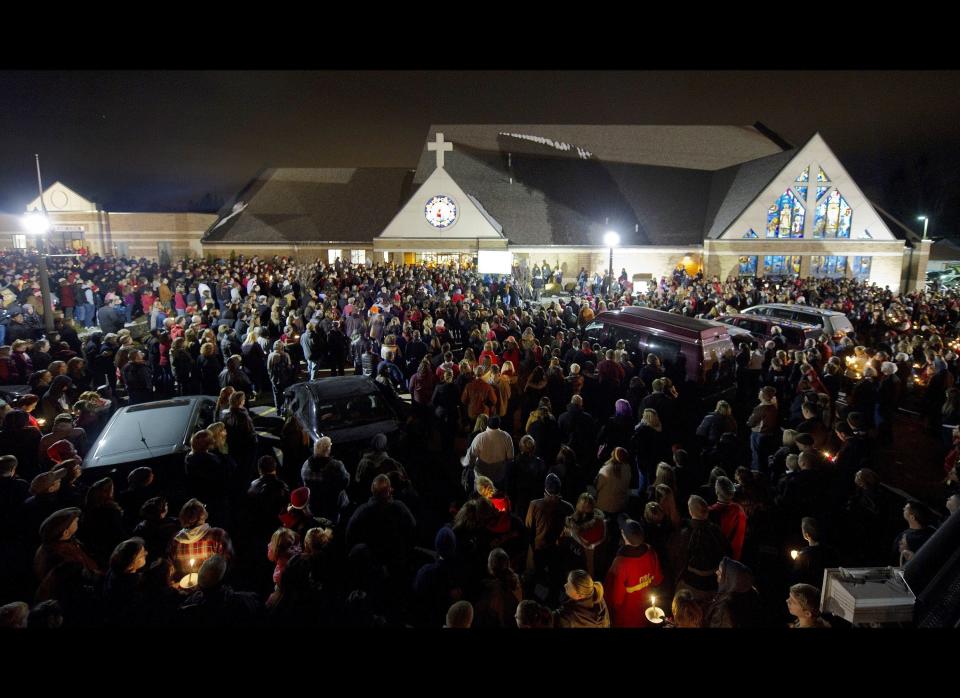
pixel 730 200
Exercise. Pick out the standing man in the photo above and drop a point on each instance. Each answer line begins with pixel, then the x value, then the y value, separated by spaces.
pixel 136 375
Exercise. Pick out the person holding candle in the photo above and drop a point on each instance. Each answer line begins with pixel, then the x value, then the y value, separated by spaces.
pixel 197 540
pixel 633 576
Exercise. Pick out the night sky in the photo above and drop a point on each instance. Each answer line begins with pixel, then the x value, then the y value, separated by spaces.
pixel 173 141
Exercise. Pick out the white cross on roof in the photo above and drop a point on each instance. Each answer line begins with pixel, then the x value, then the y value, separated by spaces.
pixel 441 147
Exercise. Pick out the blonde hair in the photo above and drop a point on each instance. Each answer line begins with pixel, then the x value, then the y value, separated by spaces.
pixel 218 430
pixel 651 419
pixel 316 539
pixel 584 585
pixel 323 446
pixel 723 408
pixel 484 486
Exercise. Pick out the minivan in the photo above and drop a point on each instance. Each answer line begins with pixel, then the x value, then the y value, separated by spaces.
pixel 670 336
pixel 761 327
pixel 834 323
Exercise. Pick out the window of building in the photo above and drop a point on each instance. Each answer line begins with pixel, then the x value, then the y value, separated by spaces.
pixel 386 256
pixel 19 242
pixel 833 217
pixel 358 256
pixel 751 234
pixel 861 267
pixel 332 256
pixel 781 265
pixel 748 265
pixel 800 184
pixel 828 266
pixel 785 217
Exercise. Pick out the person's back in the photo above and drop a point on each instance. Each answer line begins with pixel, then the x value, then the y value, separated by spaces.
pixel 737 603
pixel 384 524
pixel 328 480
pixel 589 612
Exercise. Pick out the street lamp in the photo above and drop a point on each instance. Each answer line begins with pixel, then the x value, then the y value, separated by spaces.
pixel 925 222
pixel 38 224
pixel 611 240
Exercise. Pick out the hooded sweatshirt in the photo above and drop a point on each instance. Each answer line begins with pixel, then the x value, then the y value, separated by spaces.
pixel 590 612
pixel 197 544
pixel 737 604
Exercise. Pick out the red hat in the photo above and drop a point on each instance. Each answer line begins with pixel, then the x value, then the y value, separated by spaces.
pixel 299 497
pixel 60 451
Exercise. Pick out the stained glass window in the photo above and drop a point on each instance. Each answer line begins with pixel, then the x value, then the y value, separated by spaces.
pixel 785 217
pixel 804 176
pixel 861 267
pixel 748 265
pixel 828 266
pixel 751 234
pixel 821 191
pixel 781 265
pixel 822 176
pixel 801 192
pixel 833 217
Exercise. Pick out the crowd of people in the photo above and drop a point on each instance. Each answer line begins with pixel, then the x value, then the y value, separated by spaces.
pixel 544 481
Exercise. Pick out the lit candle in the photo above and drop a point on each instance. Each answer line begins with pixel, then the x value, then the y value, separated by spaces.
pixel 653 614
pixel 794 554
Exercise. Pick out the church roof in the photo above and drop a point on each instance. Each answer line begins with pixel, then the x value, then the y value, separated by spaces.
pixel 544 184
pixel 689 147
pixel 542 198
pixel 304 205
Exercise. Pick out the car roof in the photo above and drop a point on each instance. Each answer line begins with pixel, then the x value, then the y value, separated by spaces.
pixel 336 387
pixel 796 306
pixel 780 322
pixel 693 328
pixel 148 430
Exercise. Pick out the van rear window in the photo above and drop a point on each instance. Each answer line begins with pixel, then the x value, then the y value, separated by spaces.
pixel 667 350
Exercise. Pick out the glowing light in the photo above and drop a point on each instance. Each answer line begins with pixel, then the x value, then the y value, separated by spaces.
pixel 794 554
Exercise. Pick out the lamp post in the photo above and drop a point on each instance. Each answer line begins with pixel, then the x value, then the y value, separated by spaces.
pixel 925 222
pixel 37 224
pixel 611 240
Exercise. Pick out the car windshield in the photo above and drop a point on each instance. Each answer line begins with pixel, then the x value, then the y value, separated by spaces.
pixel 352 411
pixel 145 429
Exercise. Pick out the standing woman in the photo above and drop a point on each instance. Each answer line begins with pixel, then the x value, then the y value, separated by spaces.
pixel 241 437
pixel 613 483
pixel 210 367
pixel 584 607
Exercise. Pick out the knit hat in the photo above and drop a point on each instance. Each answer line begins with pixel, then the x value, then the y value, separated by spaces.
pixel 52 528
pixel 633 532
pixel 445 543
pixel 60 451
pixel 552 484
pixel 44 481
pixel 211 572
pixel 299 497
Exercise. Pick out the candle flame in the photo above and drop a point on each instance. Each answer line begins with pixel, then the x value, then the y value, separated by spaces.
pixel 192 561
pixel 794 554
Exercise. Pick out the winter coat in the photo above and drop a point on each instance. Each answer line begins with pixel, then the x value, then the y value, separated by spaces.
pixel 732 520
pixel 328 480
pixel 635 572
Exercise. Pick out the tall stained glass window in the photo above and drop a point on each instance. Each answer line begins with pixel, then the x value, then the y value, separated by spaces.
pixel 785 217
pixel 833 217
pixel 748 265
pixel 828 266
pixel 800 184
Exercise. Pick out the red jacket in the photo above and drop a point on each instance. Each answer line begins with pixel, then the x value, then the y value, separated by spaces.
pixel 732 520
pixel 635 572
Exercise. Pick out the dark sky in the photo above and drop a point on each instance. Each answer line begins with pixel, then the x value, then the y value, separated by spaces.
pixel 160 140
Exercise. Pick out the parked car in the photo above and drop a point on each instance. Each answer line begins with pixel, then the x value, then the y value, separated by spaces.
pixel 761 327
pixel 348 409
pixel 835 323
pixel 155 434
pixel 694 342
